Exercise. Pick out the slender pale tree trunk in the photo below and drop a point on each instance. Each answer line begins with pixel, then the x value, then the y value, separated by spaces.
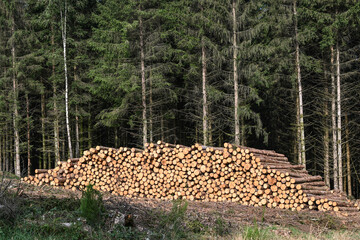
pixel 338 103
pixel 301 111
pixel 43 139
pixel 7 149
pixel 89 129
pixel 204 94
pixel 77 145
pixel 150 109
pixel 348 156
pixel 143 80
pixel 235 72
pixel 28 133
pixel 326 138
pixel 162 127
pixel 56 114
pixel 15 100
pixel 64 38
pixel 333 121
pixel 298 132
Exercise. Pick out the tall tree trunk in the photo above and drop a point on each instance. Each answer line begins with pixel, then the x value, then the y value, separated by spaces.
pixel 116 138
pixel 15 100
pixel 7 149
pixel 298 132
pixel 298 71
pixel 333 121
pixel 338 103
pixel 28 133
pixel 56 114
pixel 326 138
pixel 348 156
pixel 204 94
pixel 89 129
pixel 143 80
pixel 77 145
pixel 64 38
pixel 235 72
pixel 150 109
pixel 162 127
pixel 43 140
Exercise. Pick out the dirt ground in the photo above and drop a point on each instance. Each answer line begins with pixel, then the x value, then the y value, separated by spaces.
pixel 232 215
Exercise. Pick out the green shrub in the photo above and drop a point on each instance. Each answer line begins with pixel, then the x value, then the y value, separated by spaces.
pixel 172 224
pixel 91 206
pixel 255 232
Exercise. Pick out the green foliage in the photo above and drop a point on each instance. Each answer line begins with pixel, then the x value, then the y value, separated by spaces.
pixel 91 206
pixel 255 232
pixel 221 228
pixel 172 224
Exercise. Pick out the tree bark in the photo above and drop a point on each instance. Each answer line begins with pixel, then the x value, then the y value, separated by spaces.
pixel 333 121
pixel 89 128
pixel 77 144
pixel 301 111
pixel 64 38
pixel 143 80
pixel 43 140
pixel 326 138
pixel 56 115
pixel 204 94
pixel 150 109
pixel 235 72
pixel 338 102
pixel 15 101
pixel 347 134
pixel 28 134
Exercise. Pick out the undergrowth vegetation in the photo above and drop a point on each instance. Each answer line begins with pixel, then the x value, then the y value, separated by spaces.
pixel 22 217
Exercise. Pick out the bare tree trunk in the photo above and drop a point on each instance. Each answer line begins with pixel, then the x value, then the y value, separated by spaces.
pixel 333 121
pixel 77 145
pixel 204 93
pixel 348 156
pixel 56 114
pixel 235 71
pixel 15 99
pixel 28 133
pixel 162 127
pixel 64 38
pixel 7 150
pixel 301 111
pixel 150 109
pixel 89 129
pixel 338 101
pixel 143 80
pixel 43 141
pixel 326 139
pixel 298 132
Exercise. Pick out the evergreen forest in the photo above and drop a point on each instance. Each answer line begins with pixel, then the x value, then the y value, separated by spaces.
pixel 268 74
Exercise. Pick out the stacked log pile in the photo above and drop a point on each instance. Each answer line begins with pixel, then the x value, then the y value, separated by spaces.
pixel 201 173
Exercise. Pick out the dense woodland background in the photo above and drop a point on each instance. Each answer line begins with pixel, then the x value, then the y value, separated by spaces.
pixel 274 74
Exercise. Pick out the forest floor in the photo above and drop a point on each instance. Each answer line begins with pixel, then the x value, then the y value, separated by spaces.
pixel 48 213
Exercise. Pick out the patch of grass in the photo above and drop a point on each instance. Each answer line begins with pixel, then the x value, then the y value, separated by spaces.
pixel 221 227
pixel 255 232
pixel 172 224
